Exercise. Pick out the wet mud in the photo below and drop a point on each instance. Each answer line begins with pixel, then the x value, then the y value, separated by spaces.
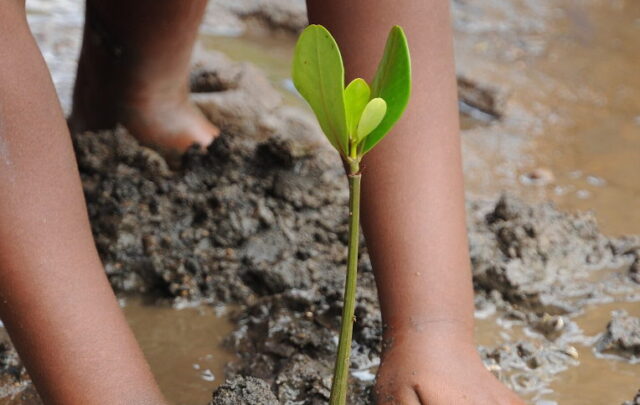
pixel 262 224
pixel 622 337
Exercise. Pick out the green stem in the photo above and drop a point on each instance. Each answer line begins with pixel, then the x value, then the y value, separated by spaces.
pixel 341 371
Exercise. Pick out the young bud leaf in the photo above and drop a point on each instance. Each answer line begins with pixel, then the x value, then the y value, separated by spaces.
pixel 372 115
pixel 356 97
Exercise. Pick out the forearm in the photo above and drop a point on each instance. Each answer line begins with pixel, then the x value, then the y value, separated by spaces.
pixel 413 204
pixel 55 300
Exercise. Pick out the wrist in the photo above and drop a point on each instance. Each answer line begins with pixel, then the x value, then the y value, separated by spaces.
pixel 449 331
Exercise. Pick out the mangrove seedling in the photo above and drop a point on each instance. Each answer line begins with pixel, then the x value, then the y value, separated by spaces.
pixel 354 119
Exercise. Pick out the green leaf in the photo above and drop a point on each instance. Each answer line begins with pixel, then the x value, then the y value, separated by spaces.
pixel 392 83
pixel 318 74
pixel 372 115
pixel 356 97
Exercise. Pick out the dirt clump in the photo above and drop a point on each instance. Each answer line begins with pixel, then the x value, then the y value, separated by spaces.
pixel 264 224
pixel 537 257
pixel 232 17
pixel 244 391
pixel 526 366
pixel 209 230
pixel 14 380
pixel 622 337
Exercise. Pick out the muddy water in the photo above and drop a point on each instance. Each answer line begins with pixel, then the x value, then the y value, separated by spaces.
pixel 272 52
pixel 585 384
pixel 596 150
pixel 597 380
pixel 573 109
pixel 183 347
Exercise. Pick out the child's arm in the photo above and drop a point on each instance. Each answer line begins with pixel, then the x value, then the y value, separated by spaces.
pixel 54 297
pixel 413 210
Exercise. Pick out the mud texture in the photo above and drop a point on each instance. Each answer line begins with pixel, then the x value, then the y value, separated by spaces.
pixel 263 224
pixel 527 366
pixel 14 380
pixel 622 337
pixel 244 391
pixel 539 258
pixel 231 17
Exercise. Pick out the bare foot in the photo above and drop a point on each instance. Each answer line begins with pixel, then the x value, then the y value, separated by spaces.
pixel 134 69
pixel 167 123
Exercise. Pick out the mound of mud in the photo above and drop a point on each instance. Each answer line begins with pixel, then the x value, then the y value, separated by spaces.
pixel 264 224
pixel 541 259
pixel 244 391
pixel 232 16
pixel 622 337
pixel 240 220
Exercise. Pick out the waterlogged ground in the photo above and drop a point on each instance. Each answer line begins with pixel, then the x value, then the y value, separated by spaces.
pixel 552 112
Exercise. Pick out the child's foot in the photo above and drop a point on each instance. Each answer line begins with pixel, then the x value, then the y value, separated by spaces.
pixel 164 121
pixel 133 71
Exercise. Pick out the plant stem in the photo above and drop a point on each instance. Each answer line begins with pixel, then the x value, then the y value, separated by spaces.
pixel 341 372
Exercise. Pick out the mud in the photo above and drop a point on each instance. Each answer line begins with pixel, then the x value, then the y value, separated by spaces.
pixel 263 224
pixel 541 259
pixel 286 15
pixel 14 380
pixel 622 337
pixel 244 391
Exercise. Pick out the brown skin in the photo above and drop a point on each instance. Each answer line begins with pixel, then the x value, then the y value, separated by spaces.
pixel 55 300
pixel 413 210
pixel 54 297
pixel 136 57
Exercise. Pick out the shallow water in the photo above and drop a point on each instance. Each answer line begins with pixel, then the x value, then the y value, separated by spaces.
pixel 183 347
pixel 596 380
pixel 573 106
pixel 569 73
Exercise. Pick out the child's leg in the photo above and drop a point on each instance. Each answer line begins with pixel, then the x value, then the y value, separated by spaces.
pixel 413 210
pixel 54 297
pixel 134 70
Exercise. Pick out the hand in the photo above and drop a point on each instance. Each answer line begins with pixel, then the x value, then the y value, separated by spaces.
pixel 418 369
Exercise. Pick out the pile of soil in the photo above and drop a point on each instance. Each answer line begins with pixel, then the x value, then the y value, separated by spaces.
pixel 259 219
pixel 622 337
pixel 263 224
